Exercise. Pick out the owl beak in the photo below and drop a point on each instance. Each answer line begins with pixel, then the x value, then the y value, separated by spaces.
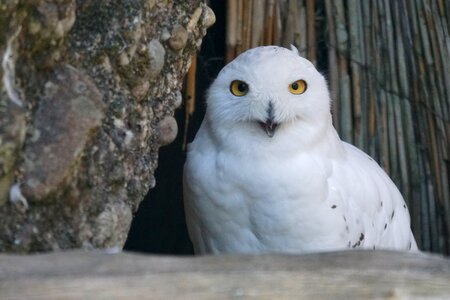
pixel 269 125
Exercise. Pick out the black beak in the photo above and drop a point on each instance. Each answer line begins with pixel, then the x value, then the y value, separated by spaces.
pixel 269 125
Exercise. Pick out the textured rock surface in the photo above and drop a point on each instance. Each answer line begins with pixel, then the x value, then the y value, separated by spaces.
pixel 87 95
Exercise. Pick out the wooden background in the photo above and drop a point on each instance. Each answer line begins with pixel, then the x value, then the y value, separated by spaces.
pixel 388 68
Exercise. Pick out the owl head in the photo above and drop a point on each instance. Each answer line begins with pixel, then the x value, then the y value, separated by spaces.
pixel 268 89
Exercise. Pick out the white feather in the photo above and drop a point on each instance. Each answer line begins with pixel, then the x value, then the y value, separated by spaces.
pixel 303 189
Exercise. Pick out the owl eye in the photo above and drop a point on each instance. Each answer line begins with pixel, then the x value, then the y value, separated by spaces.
pixel 298 87
pixel 238 88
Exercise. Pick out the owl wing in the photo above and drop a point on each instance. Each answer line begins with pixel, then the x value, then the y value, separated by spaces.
pixel 372 206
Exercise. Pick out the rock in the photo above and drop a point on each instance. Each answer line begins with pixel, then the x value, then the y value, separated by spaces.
pixel 156 53
pixel 178 38
pixel 54 20
pixel 209 18
pixel 165 34
pixel 124 60
pixel 167 130
pixel 178 99
pixel 140 89
pixel 112 219
pixel 195 17
pixel 68 115
pixel 98 92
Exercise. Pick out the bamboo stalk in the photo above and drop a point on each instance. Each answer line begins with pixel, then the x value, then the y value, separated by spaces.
pixel 367 95
pixel 276 38
pixel 269 19
pixel 390 82
pixel 373 32
pixel 190 86
pixel 424 210
pixel 231 39
pixel 344 79
pixel 289 31
pixel 257 31
pixel 375 75
pixel 400 100
pixel 311 29
pixel 332 62
pixel 190 97
pixel 246 24
pixel 303 41
pixel 355 59
pixel 420 187
pixel 239 26
pixel 434 217
pixel 409 157
pixel 381 95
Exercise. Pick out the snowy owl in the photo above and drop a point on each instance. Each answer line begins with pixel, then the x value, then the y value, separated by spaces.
pixel 267 171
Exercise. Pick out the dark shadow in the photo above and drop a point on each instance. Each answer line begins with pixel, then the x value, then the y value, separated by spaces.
pixel 159 224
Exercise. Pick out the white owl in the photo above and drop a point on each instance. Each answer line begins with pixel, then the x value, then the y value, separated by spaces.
pixel 267 171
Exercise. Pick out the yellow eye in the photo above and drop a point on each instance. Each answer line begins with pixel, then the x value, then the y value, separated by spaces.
pixel 238 88
pixel 298 87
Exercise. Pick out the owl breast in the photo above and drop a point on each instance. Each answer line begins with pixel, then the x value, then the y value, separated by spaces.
pixel 255 204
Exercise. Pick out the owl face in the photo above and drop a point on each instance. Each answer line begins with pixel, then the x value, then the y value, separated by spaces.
pixel 271 87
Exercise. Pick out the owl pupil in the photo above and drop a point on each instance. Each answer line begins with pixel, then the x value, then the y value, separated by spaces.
pixel 242 87
pixel 294 86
